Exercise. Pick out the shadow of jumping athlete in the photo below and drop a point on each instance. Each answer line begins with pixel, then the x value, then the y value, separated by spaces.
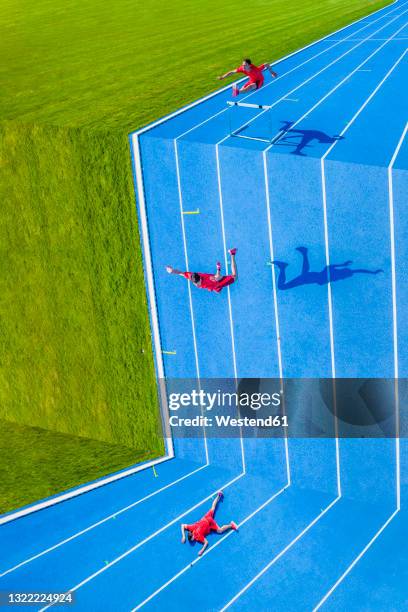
pixel 305 137
pixel 331 273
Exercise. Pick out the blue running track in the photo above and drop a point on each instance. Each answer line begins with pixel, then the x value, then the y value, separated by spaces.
pixel 323 522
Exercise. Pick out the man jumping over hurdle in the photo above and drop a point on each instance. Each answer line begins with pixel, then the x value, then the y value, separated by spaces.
pixel 212 282
pixel 256 78
pixel 197 531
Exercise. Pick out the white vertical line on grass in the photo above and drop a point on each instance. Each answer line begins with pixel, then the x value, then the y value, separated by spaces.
pixel 279 555
pixel 207 552
pixel 217 157
pixel 275 305
pixel 190 297
pixel 394 313
pixel 145 540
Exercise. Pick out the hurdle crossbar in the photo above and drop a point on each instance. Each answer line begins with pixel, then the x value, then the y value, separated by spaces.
pixel 249 105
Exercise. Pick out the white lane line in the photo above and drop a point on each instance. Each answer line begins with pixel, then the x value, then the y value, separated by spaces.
pixel 190 297
pixel 313 76
pixel 145 540
pixel 279 555
pixel 234 359
pixel 340 83
pixel 101 522
pixel 281 76
pixel 356 560
pixel 331 332
pixel 218 542
pixel 279 60
pixel 400 38
pixel 395 341
pixel 327 253
pixel 327 250
pixel 394 314
pixel 275 303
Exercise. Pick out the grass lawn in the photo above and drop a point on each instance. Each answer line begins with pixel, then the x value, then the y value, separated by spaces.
pixel 84 459
pixel 77 76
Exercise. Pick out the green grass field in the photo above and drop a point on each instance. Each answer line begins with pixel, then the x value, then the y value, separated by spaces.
pixel 77 76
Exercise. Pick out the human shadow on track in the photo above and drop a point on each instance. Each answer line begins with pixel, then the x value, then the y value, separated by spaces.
pixel 331 273
pixel 304 137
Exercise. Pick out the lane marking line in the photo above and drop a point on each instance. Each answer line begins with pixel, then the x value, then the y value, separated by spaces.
pixel 340 83
pixel 396 374
pixel 279 555
pixel 313 76
pixel 234 359
pixel 101 522
pixel 275 304
pixel 147 539
pixel 279 60
pixel 207 552
pixel 395 314
pixel 190 296
pixel 356 560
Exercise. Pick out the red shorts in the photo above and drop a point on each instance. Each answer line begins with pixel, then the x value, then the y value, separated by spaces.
pixel 258 82
pixel 224 282
pixel 209 517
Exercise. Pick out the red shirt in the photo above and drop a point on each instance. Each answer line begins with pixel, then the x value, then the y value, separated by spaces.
pixel 208 281
pixel 254 73
pixel 203 527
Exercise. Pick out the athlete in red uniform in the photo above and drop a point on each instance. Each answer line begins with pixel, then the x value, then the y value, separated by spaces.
pixel 256 78
pixel 212 282
pixel 197 531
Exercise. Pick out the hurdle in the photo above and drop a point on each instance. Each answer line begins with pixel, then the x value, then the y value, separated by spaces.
pixel 238 131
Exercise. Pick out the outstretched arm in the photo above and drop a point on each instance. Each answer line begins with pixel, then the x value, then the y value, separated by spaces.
pixel 171 270
pixel 183 535
pixel 204 546
pixel 227 74
pixel 271 70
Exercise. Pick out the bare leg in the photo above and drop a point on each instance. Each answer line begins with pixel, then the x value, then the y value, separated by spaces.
pixel 217 275
pixel 215 502
pixel 247 88
pixel 224 528
pixel 234 266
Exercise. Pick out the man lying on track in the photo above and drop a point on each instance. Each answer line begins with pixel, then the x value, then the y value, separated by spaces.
pixel 256 78
pixel 211 282
pixel 197 531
